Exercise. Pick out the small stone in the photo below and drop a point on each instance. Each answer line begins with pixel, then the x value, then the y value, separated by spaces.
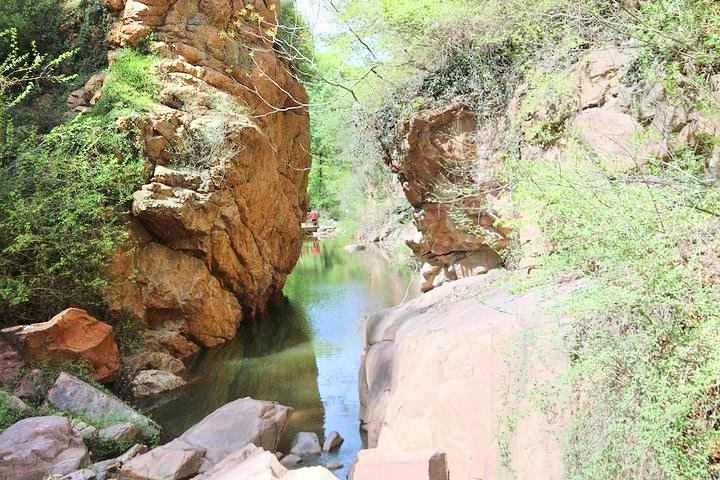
pixel 334 465
pixel 83 430
pixel 333 442
pixel 291 460
pixel 155 382
pixel 306 443
pixel 122 432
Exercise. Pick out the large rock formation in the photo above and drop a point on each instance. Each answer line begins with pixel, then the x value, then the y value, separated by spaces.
pixel 439 153
pixel 73 334
pixel 457 370
pixel 216 229
pixel 35 448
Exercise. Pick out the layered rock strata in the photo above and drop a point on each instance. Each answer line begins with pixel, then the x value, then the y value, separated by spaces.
pixel 216 229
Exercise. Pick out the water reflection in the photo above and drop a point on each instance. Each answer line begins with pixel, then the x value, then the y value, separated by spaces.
pixel 306 354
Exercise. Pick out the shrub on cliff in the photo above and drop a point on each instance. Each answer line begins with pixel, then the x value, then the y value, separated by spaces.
pixel 63 200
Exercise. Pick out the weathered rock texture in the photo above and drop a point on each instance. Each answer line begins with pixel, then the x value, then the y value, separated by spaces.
pixel 446 371
pixel 34 448
pixel 216 230
pixel 458 235
pixel 227 430
pixel 449 161
pixel 72 395
pixel 73 334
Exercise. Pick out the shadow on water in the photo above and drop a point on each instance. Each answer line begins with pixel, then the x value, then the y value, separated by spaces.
pixel 305 354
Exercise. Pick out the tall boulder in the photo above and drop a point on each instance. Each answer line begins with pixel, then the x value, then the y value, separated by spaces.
pixel 73 334
pixel 213 235
pixel 34 448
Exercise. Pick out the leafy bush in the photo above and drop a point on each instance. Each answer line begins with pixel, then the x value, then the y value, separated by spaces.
pixel 63 197
pixel 9 414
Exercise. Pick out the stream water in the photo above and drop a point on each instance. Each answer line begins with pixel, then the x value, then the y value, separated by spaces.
pixel 305 355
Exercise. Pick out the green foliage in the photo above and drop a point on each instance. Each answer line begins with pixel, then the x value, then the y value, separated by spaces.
pixel 130 87
pixel 9 413
pixel 63 197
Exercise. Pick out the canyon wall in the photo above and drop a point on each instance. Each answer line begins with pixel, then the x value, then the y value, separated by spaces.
pixel 216 229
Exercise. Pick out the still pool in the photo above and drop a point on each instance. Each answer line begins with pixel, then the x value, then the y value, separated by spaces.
pixel 306 354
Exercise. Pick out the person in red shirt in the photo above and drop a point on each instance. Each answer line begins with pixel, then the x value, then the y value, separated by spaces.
pixel 314 217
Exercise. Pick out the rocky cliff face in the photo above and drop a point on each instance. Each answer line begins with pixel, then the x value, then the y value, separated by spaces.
pixel 216 229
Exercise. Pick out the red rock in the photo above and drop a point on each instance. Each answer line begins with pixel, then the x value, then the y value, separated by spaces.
pixel 70 335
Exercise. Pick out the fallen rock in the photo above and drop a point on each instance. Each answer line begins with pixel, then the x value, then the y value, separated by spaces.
pixel 333 442
pixel 34 448
pixel 237 424
pixel 149 383
pixel 174 461
pixel 249 462
pixel 83 429
pixel 376 464
pixel 72 395
pixel 122 432
pixel 306 443
pixel 291 460
pixel 334 465
pixel 73 334
pixel 156 361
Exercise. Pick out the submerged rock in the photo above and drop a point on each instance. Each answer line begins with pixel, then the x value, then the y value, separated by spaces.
pixel 333 442
pixel 34 448
pixel 306 443
pixel 72 395
pixel 72 334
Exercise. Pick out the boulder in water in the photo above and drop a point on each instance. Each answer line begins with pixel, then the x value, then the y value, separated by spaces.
pixel 306 443
pixel 333 442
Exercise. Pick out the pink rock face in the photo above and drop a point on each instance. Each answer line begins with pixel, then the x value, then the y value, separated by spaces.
pixel 71 335
pixel 37 447
pixel 377 464
pixel 211 242
pixel 447 370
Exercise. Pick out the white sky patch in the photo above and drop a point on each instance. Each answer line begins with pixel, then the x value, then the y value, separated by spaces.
pixel 319 17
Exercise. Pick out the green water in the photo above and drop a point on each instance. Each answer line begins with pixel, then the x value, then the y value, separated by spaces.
pixel 306 354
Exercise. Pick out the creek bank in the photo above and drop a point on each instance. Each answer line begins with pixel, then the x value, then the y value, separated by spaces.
pixel 441 372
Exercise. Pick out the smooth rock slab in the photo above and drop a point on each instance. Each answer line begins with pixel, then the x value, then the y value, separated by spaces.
pixel 72 395
pixel 34 448
pixel 173 461
pixel 238 424
pixel 306 443
pixel 291 460
pixel 376 464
